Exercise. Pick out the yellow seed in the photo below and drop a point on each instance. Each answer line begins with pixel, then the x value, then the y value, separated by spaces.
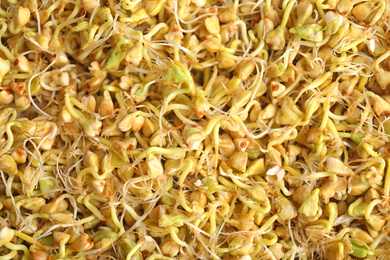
pixel 125 82
pixel 21 64
pixel 336 165
pixel 89 102
pixel 358 187
pixel 90 5
pixel 106 107
pixel 22 102
pixel 310 206
pixel 33 203
pixel 34 39
pixel 54 206
pixel 105 243
pixel 371 195
pixel 241 143
pixel 32 177
pixel 6 235
pixel 19 155
pixel 148 246
pixel 238 161
pixel 170 248
pixel 377 222
pixel 226 145
pixel 286 209
pixel 138 123
pixel 60 78
pixel 21 16
pixel 240 246
pixel 243 222
pixel 277 250
pixel 82 243
pixel 293 150
pixel 225 62
pixel 148 128
pixel 304 11
pixel 7 164
pixel 44 15
pixel 60 237
pixel 198 209
pixel 256 167
pixel 268 112
pixel 134 55
pixel 6 97
pixel 381 106
pixel 158 139
pixel 213 44
pixel 194 140
pixel 5 66
pixel 65 116
pixel 139 16
pixel 16 44
pixel 282 232
pixel 157 212
pixel 241 98
pixel 277 88
pixel 201 105
pixel 156 231
pixel 200 197
pixel 344 6
pixel 192 43
pixel 40 255
pixel 18 88
pixel 258 193
pixel 120 149
pixel 363 10
pixel 199 3
pixel 314 136
pixel 91 127
pixel 61 58
pixel 227 16
pixel 98 186
pixel 212 24
pixel 155 167
pixel 32 227
pixel 134 122
pixel 245 69
pixel 361 235
pixel 275 39
pixel 131 143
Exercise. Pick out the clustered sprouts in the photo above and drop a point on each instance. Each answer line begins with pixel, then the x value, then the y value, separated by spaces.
pixel 194 129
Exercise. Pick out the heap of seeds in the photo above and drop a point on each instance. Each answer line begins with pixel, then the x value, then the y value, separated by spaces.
pixel 194 129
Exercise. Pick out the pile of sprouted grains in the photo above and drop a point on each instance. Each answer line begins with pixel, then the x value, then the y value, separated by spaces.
pixel 194 129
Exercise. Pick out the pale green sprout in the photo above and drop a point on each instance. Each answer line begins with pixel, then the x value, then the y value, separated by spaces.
pixel 174 75
pixel 309 207
pixel 359 249
pixel 118 54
